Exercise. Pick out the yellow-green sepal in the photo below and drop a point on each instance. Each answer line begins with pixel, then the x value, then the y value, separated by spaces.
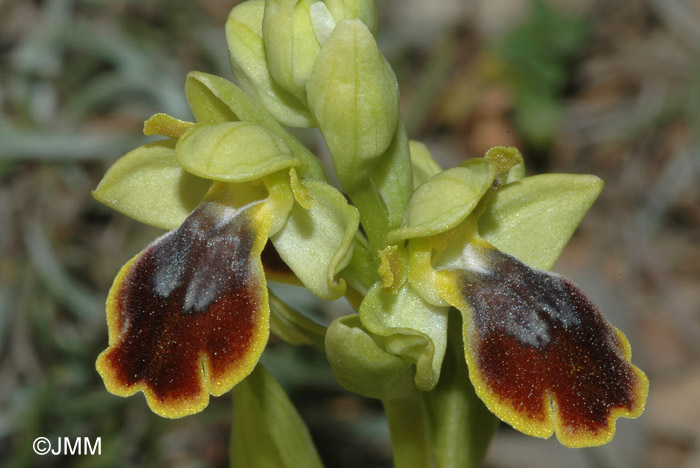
pixel 353 96
pixel 290 44
pixel 214 99
pixel 149 185
pixel 444 200
pixel 410 327
pixel 268 432
pixel 361 365
pixel 533 219
pixel 422 163
pixel 233 151
pixel 244 34
pixel 316 242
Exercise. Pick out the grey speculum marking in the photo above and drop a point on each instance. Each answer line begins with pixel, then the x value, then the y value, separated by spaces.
pixel 204 258
pixel 523 302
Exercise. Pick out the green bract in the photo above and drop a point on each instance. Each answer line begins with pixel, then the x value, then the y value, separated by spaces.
pixel 353 96
pixel 244 33
pixel 268 431
pixel 364 10
pixel 290 44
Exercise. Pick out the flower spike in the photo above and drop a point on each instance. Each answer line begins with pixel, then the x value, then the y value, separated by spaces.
pixel 188 316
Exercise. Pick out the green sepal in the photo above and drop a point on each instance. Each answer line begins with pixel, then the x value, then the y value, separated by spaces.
pixel 210 99
pixel 462 426
pixel 353 96
pixel 422 163
pixel 233 151
pixel 293 326
pixel 410 327
pixel 534 218
pixel 148 184
pixel 290 44
pixel 267 430
pixel 362 366
pixel 444 200
pixel 316 243
pixel 212 95
pixel 248 59
pixel 364 10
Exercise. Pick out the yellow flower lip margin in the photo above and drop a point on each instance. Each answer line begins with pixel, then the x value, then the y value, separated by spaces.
pixel 540 355
pixel 189 315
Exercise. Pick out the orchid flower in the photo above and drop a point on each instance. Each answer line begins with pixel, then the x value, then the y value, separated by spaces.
pixel 407 243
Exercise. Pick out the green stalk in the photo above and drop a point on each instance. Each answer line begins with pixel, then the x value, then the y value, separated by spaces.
pixel 410 431
pixel 383 199
pixel 462 425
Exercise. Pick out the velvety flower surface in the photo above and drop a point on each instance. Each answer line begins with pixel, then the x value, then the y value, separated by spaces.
pixel 540 354
pixel 188 316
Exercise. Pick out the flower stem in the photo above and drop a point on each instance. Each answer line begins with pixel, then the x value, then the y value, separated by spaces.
pixel 410 433
pixel 462 425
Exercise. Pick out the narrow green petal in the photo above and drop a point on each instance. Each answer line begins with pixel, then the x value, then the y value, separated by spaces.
pixel 409 328
pixel 267 430
pixel 316 243
pixel 233 151
pixel 362 366
pixel 222 101
pixel 149 185
pixel 445 200
pixel 533 219
pixel 249 65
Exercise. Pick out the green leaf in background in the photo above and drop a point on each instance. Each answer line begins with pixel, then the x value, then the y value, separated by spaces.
pixel 533 219
pixel 267 430
pixel 233 151
pixel 537 55
pixel 149 185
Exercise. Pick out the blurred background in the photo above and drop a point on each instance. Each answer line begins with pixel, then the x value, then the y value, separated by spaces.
pixel 606 87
